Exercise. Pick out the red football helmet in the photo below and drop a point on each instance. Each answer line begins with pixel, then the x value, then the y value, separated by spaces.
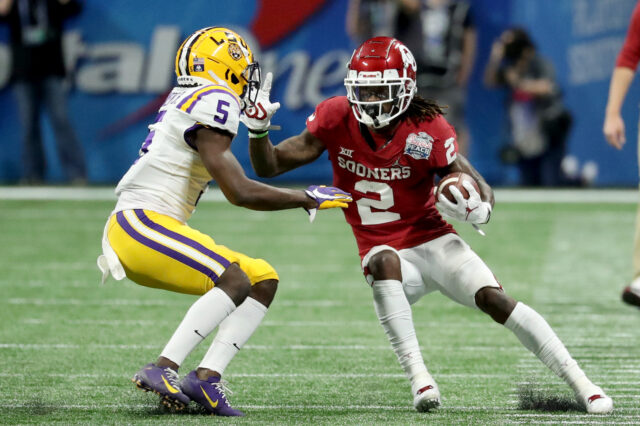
pixel 381 81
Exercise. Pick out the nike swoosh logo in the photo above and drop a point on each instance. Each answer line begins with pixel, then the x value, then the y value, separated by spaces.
pixel 196 331
pixel 318 193
pixel 334 196
pixel 169 387
pixel 213 404
pixel 236 346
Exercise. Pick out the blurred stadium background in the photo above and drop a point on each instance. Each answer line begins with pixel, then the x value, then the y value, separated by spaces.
pixel 121 54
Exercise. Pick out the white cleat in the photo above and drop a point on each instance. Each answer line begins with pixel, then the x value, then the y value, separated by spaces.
pixel 596 402
pixel 427 398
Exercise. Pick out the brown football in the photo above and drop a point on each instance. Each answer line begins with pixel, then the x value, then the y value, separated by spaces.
pixel 455 179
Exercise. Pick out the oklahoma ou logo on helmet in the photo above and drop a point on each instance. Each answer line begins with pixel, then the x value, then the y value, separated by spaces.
pixel 407 57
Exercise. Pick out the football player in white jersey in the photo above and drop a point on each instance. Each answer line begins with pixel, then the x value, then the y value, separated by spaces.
pixel 147 239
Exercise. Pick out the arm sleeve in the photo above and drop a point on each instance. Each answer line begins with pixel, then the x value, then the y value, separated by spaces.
pixel 630 53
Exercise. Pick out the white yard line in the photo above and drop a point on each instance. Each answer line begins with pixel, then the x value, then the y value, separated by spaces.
pixel 74 346
pixel 335 376
pixel 20 404
pixel 266 323
pixel 214 194
pixel 158 302
pixel 551 418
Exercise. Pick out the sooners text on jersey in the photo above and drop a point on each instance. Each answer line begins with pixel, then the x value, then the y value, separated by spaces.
pixel 392 186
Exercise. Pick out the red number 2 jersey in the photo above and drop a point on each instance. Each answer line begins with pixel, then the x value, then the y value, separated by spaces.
pixel 392 187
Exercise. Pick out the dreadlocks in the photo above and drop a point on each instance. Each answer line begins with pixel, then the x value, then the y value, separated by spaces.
pixel 421 109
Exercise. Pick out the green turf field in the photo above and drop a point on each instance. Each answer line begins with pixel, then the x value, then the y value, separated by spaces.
pixel 69 346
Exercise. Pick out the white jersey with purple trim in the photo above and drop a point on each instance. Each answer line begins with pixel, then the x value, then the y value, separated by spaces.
pixel 169 176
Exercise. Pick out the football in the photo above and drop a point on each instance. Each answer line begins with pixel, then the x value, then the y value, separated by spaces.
pixel 455 179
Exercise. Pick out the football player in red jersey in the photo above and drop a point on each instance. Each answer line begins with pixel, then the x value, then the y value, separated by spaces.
pixel 614 128
pixel 386 145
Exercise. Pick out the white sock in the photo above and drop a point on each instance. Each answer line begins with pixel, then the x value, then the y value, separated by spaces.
pixel 537 336
pixel 201 319
pixel 233 333
pixel 394 312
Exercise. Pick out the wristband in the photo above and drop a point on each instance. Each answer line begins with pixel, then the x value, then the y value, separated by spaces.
pixel 258 135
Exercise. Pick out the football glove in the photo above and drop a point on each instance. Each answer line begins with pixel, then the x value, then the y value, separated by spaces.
pixel 326 197
pixel 472 209
pixel 257 117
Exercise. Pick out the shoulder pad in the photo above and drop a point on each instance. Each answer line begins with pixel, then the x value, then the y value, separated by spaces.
pixel 212 105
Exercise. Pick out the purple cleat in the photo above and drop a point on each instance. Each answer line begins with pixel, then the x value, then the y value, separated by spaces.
pixel 164 382
pixel 210 394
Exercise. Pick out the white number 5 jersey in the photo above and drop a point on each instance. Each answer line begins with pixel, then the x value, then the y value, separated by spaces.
pixel 169 176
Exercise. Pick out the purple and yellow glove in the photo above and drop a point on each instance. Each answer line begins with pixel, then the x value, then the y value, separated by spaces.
pixel 326 197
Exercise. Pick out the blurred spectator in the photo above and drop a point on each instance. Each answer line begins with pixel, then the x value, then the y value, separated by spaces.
pixel 371 18
pixel 35 28
pixel 442 35
pixel 614 128
pixel 538 120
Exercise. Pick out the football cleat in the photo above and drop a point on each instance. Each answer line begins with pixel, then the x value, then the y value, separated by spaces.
pixel 596 402
pixel 211 394
pixel 426 396
pixel 164 382
pixel 631 296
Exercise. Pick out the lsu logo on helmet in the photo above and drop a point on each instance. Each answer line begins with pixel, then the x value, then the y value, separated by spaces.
pixel 220 56
pixel 235 52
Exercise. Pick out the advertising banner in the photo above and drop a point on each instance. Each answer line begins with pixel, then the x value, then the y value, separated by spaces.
pixel 121 54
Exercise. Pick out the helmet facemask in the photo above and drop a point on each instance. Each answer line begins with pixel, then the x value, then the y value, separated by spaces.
pixel 381 81
pixel 252 76
pixel 377 99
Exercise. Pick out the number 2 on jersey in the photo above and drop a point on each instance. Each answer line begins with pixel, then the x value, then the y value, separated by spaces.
pixel 385 192
pixel 451 150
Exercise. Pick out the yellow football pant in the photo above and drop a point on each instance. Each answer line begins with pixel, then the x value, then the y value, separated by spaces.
pixel 161 252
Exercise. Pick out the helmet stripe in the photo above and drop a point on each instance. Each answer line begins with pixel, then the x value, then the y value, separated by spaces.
pixel 183 64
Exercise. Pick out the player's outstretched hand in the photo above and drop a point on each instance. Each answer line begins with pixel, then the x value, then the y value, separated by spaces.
pixel 613 130
pixel 471 209
pixel 258 117
pixel 326 197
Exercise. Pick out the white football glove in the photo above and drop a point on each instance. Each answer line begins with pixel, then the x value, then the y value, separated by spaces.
pixel 472 210
pixel 257 117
